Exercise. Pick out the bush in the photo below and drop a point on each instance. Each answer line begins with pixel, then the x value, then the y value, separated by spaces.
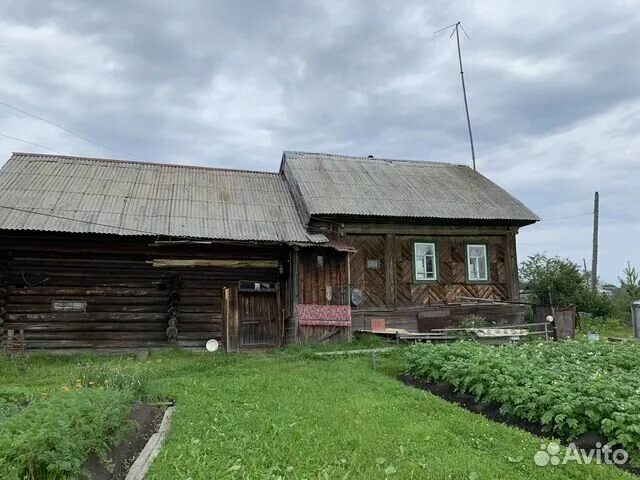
pixel 559 281
pixel 598 304
pixel 51 438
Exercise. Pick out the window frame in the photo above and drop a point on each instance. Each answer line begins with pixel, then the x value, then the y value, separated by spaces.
pixel 430 241
pixel 487 253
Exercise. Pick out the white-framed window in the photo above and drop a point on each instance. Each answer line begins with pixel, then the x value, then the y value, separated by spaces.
pixel 477 264
pixel 425 262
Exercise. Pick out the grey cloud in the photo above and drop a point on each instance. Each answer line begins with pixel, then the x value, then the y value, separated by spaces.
pixel 553 90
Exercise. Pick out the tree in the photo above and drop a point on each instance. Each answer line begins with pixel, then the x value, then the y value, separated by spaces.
pixel 629 291
pixel 630 284
pixel 559 281
pixel 552 280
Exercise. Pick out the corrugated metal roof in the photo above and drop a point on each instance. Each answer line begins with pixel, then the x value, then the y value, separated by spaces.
pixel 341 185
pixel 87 195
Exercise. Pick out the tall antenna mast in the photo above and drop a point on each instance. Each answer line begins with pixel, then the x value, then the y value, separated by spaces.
pixel 456 27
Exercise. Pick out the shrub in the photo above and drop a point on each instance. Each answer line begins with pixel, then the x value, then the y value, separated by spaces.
pixel 559 281
pixel 598 304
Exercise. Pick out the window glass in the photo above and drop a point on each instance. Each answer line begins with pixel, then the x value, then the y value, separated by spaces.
pixel 477 269
pixel 425 267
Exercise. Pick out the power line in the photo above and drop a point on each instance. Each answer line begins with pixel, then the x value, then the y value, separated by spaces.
pixel 70 132
pixel 30 143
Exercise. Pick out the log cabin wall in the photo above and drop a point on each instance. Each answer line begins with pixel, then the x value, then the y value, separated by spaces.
pixel 389 290
pixel 114 295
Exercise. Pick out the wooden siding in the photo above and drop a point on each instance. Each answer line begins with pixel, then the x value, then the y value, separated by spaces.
pixel 390 291
pixel 128 300
pixel 316 281
pixel 392 285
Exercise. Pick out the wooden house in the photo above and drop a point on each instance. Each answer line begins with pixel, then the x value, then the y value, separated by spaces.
pixel 428 237
pixel 115 255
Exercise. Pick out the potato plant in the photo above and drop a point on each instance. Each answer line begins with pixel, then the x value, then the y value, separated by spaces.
pixel 570 388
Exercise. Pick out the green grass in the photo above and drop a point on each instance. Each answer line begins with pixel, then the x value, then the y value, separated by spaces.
pixel 286 415
pixel 605 328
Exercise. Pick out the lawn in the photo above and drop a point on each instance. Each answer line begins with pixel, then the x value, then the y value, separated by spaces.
pixel 605 328
pixel 286 415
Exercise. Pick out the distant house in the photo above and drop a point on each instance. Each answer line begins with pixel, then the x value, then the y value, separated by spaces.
pixel 108 254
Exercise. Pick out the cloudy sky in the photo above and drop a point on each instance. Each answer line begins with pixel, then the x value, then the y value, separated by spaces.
pixel 553 91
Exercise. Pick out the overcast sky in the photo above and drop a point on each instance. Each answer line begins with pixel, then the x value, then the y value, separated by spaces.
pixel 553 93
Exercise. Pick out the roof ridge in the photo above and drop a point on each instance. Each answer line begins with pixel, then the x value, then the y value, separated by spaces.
pixel 380 159
pixel 139 162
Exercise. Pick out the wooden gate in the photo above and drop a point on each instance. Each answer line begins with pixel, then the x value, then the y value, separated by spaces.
pixel 258 319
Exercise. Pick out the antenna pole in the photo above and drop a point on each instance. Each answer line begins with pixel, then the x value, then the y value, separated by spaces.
pixel 464 94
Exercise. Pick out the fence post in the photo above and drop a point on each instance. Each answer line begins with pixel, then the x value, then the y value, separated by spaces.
pixel 635 318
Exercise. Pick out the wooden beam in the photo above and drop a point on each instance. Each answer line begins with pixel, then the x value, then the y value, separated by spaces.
pixel 511 266
pixel 420 230
pixel 219 263
pixel 389 241
pixel 231 324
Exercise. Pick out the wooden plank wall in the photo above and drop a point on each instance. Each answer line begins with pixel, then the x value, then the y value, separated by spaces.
pixel 127 297
pixel 392 284
pixel 314 279
pixel 390 292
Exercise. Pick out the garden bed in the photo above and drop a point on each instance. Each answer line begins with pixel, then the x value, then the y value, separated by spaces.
pixel 91 426
pixel 585 393
pixel 115 464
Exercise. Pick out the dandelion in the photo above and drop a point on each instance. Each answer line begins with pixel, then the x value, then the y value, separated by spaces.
pixel 65 389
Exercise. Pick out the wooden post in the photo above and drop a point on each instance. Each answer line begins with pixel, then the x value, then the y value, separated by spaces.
pixel 295 291
pixel 389 241
pixel 231 318
pixel 511 265
pixel 594 258
pixel 349 338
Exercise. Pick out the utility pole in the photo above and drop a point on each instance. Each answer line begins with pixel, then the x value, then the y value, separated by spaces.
pixel 456 30
pixel 594 258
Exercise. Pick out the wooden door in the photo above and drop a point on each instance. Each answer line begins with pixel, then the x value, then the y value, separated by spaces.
pixel 258 319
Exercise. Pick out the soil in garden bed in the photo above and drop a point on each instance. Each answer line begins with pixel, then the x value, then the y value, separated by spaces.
pixel 492 412
pixel 146 420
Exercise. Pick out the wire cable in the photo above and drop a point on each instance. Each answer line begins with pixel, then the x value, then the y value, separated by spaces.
pixel 30 143
pixel 70 132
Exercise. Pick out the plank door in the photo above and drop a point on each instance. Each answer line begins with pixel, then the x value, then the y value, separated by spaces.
pixel 258 319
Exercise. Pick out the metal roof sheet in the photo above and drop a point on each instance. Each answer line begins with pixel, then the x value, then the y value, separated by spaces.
pixel 341 185
pixel 88 195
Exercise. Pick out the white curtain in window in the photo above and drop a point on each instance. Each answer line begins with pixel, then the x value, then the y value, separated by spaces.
pixel 477 262
pixel 425 261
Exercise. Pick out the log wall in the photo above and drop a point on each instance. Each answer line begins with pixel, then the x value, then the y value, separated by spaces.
pixel 129 301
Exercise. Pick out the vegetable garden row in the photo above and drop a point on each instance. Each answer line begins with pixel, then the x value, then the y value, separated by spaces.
pixel 568 387
pixel 48 433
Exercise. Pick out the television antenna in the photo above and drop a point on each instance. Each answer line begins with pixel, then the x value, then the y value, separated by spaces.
pixel 455 30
